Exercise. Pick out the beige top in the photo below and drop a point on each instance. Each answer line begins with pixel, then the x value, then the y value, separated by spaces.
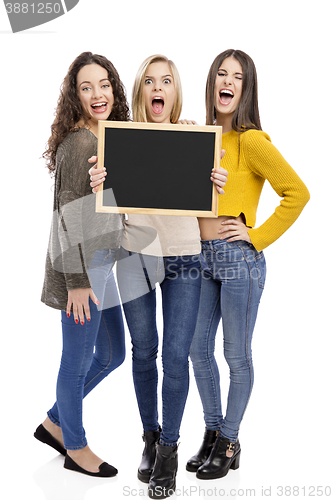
pixel 162 235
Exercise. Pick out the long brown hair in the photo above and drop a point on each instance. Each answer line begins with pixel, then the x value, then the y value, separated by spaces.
pixel 246 115
pixel 69 110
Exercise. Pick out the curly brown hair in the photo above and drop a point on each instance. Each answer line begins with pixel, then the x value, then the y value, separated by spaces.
pixel 69 110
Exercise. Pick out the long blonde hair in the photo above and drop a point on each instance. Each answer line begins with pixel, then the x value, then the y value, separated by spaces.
pixel 138 102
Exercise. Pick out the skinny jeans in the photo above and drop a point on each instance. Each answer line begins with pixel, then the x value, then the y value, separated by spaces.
pixel 180 282
pixel 90 351
pixel 232 284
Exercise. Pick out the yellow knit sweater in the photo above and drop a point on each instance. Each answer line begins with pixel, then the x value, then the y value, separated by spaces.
pixel 250 159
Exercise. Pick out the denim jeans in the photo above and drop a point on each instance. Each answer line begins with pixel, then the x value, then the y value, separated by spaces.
pixel 90 351
pixel 232 284
pixel 180 282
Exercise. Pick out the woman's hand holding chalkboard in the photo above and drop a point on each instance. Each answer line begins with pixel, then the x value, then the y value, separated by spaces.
pixel 79 300
pixel 187 122
pixel 219 176
pixel 97 175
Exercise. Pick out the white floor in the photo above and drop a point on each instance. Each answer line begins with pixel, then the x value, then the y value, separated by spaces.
pixel 285 435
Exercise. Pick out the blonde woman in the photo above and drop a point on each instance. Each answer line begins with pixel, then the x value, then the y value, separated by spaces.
pixel 171 260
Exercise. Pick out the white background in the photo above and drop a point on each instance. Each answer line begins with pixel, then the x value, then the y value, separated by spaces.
pixel 286 433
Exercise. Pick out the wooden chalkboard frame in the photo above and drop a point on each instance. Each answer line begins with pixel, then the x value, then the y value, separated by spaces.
pixel 116 132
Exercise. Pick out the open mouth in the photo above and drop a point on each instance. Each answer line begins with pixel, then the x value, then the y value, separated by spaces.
pixel 99 107
pixel 157 105
pixel 226 96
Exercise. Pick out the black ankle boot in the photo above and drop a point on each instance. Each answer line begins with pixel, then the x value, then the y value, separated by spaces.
pixel 218 464
pixel 150 438
pixel 200 458
pixel 162 483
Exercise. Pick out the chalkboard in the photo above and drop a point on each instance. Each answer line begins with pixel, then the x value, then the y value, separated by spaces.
pixel 159 169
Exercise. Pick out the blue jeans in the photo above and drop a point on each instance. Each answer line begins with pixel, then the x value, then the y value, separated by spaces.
pixel 90 351
pixel 232 285
pixel 180 281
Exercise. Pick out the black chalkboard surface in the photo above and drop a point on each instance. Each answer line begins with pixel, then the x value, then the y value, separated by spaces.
pixel 158 168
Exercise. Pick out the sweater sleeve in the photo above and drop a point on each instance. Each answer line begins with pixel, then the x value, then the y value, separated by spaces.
pixel 266 161
pixel 74 187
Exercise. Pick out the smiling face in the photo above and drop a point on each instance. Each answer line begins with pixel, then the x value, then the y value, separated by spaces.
pixel 159 92
pixel 95 93
pixel 228 90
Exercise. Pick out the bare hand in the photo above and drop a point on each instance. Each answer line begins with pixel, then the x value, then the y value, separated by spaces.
pixel 79 299
pixel 97 175
pixel 219 176
pixel 187 122
pixel 234 230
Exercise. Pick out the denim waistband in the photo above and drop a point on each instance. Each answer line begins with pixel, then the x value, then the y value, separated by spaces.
pixel 213 244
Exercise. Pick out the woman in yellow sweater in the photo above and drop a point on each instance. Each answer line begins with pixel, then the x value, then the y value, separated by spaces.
pixel 235 268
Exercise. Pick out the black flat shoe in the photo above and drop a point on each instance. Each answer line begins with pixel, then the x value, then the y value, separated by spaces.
pixel 105 470
pixel 45 437
pixel 218 463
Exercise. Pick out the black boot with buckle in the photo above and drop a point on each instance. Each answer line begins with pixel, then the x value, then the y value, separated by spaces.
pixel 162 483
pixel 204 451
pixel 218 463
pixel 150 438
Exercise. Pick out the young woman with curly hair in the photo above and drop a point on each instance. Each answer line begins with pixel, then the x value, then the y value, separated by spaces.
pixel 79 279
